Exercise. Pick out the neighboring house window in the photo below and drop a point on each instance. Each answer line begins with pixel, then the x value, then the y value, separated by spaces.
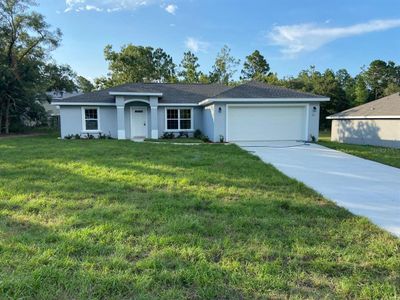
pixel 91 119
pixel 179 119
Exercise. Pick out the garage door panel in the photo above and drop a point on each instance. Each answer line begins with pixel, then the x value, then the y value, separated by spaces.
pixel 262 123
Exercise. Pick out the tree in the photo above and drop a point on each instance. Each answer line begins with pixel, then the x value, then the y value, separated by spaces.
pixel 391 89
pixel 137 64
pixel 189 66
pixel 224 67
pixel 84 85
pixel 377 78
pixel 360 91
pixel 60 78
pixel 164 67
pixel 347 83
pixel 255 67
pixel 26 40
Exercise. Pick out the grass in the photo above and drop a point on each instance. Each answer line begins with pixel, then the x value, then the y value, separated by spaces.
pixel 384 155
pixel 177 140
pixel 106 219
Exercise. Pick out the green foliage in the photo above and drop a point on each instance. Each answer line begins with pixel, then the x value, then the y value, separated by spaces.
pixel 137 64
pixel 189 66
pixel 162 221
pixel 168 135
pixel 84 85
pixel 361 91
pixel 26 40
pixel 224 67
pixel 59 78
pixel 379 75
pixel 255 67
pixel 197 134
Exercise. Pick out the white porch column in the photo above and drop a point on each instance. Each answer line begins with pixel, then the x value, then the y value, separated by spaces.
pixel 154 117
pixel 119 101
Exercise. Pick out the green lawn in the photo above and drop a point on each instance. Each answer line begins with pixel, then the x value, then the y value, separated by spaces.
pixel 106 219
pixel 387 156
pixel 177 140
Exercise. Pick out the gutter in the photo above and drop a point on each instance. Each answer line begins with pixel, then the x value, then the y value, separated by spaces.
pixel 261 100
pixel 361 117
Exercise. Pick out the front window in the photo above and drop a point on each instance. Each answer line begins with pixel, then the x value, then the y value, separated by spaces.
pixel 91 119
pixel 179 119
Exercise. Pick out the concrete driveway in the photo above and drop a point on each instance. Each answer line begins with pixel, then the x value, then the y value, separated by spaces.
pixel 364 187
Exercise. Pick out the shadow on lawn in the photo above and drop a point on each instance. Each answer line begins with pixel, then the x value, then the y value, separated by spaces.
pixel 201 224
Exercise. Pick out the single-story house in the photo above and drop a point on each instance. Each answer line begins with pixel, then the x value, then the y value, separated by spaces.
pixel 252 111
pixel 374 123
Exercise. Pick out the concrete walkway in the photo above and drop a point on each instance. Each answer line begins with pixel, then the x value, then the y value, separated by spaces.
pixel 364 187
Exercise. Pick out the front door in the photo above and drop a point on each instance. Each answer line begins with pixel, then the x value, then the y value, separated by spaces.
pixel 139 122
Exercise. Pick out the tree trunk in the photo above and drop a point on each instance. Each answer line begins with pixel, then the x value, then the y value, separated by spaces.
pixel 7 117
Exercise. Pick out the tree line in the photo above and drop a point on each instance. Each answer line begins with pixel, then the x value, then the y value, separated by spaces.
pixel 28 73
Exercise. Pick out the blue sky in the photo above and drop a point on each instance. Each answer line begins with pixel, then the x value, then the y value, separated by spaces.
pixel 291 34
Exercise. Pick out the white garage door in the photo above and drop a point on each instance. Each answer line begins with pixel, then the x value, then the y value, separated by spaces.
pixel 266 123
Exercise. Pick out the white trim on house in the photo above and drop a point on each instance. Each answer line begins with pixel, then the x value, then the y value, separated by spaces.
pixel 260 100
pixel 179 119
pixel 306 107
pixel 134 94
pixel 361 117
pixel 84 130
pixel 244 100
pixel 137 100
pixel 83 103
pixel 179 104
pixel 147 120
pixel 307 135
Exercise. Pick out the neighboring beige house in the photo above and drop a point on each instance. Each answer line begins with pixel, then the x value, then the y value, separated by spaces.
pixel 374 123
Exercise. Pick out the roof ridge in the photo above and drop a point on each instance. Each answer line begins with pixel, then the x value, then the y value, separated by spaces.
pixel 254 82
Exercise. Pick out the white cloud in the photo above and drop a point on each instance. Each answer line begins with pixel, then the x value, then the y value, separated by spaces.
pixel 295 39
pixel 106 5
pixel 171 8
pixel 196 45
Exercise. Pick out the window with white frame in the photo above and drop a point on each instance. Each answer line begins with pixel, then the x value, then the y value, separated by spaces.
pixel 179 118
pixel 90 119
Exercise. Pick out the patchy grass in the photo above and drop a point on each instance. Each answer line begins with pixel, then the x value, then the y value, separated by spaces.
pixel 114 219
pixel 387 156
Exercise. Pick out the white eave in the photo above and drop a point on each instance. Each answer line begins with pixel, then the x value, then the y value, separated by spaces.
pixel 135 94
pixel 255 100
pixel 83 103
pixel 361 117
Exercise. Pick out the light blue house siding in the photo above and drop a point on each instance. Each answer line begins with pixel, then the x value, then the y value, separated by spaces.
pixel 211 119
pixel 71 120
pixel 197 118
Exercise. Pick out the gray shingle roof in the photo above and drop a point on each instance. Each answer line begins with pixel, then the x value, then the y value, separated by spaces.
pixel 386 106
pixel 172 92
pixel 191 93
pixel 256 89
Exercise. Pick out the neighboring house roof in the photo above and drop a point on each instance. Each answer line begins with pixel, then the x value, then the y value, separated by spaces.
pixel 386 107
pixel 57 96
pixel 191 93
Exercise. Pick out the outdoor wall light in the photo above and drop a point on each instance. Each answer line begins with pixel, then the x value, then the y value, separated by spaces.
pixel 220 109
pixel 314 108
